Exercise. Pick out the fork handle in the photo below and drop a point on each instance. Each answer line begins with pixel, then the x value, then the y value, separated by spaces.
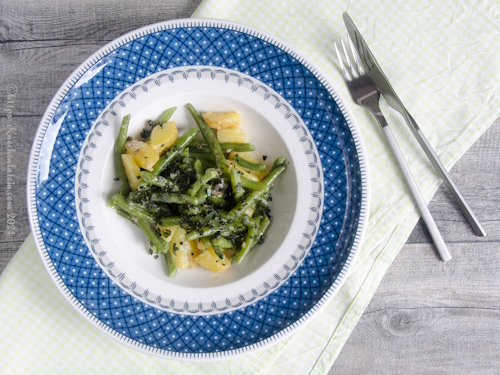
pixel 417 196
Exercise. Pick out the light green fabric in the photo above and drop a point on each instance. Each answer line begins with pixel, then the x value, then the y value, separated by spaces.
pixel 443 58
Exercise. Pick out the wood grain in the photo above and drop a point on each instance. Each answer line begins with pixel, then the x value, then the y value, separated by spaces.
pixel 430 317
pixel 427 317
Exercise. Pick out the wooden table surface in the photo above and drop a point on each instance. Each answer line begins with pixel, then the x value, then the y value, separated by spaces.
pixel 426 317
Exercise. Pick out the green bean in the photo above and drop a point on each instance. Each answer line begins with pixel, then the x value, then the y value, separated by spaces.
pixel 250 240
pixel 202 156
pixel 206 242
pixel 222 242
pixel 210 174
pixel 238 190
pixel 278 162
pixel 160 244
pixel 217 201
pixel 123 213
pixel 133 210
pixel 170 220
pixel 119 147
pixel 229 229
pixel 198 168
pixel 249 165
pixel 255 195
pixel 205 231
pixel 165 116
pixel 252 185
pixel 209 230
pixel 264 226
pixel 185 154
pixel 177 198
pixel 273 175
pixel 175 150
pixel 220 159
pixel 218 251
pixel 171 267
pixel 225 147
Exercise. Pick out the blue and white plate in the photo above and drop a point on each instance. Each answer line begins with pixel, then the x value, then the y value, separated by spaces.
pixel 100 262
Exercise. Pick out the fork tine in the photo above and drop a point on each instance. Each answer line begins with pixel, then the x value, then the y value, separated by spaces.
pixel 347 76
pixel 357 60
pixel 353 69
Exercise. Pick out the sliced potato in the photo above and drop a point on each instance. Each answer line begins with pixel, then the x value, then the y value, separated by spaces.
pixel 167 233
pixel 231 136
pixel 145 156
pixel 209 260
pixel 182 250
pixel 222 120
pixel 132 170
pixel 163 136
pixel 194 253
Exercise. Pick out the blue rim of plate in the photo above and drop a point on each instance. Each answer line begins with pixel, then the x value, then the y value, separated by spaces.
pixel 51 196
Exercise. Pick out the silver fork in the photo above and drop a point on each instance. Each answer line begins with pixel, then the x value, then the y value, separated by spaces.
pixel 365 93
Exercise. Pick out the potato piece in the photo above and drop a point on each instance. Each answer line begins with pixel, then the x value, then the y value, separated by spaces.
pixel 209 260
pixel 231 136
pixel 167 233
pixel 222 120
pixel 194 253
pixel 200 246
pixel 132 170
pixel 163 136
pixel 229 252
pixel 144 155
pixel 181 250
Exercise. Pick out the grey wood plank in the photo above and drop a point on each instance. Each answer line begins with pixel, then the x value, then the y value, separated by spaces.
pixel 91 20
pixel 430 317
pixel 38 69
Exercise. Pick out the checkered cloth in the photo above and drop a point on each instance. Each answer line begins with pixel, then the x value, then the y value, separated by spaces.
pixel 443 59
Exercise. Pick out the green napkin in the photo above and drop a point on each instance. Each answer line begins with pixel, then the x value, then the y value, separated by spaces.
pixel 442 58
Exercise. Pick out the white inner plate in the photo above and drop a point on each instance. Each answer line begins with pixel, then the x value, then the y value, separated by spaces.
pixel 270 124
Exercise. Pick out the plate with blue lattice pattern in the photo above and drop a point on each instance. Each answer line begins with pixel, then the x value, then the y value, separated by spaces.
pixel 289 108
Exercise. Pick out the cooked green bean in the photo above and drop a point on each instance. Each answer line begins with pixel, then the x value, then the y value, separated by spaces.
pixel 176 198
pixel 171 267
pixel 225 147
pixel 170 220
pixel 222 242
pixel 123 213
pixel 264 226
pixel 175 150
pixel 134 211
pixel 198 169
pixel 160 245
pixel 210 174
pixel 252 185
pixel 165 116
pixel 218 251
pixel 238 190
pixel 220 159
pixel 255 195
pixel 119 147
pixel 217 201
pixel 249 165
pixel 206 242
pixel 250 240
